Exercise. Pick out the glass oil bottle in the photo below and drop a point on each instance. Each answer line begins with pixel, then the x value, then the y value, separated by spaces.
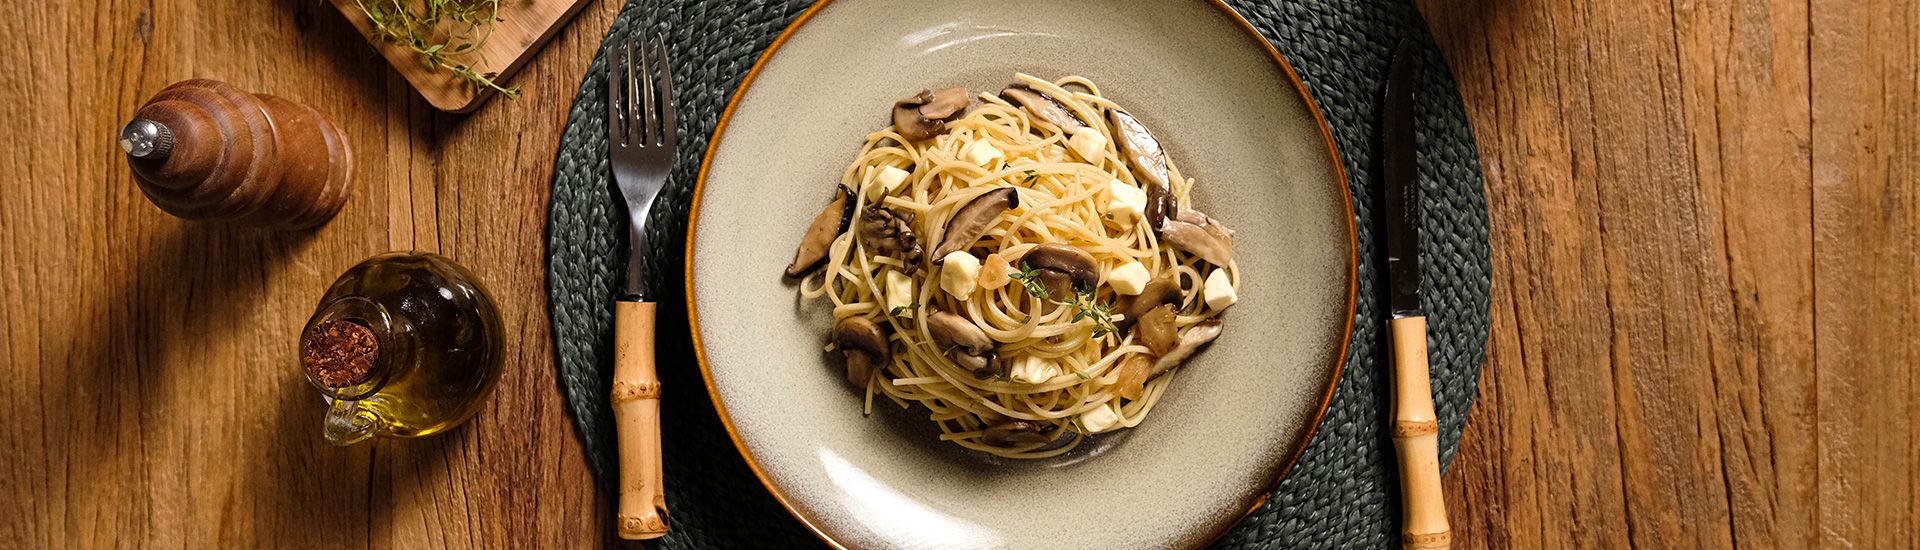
pixel 402 345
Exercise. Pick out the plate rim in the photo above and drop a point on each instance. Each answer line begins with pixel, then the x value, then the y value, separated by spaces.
pixel 1307 432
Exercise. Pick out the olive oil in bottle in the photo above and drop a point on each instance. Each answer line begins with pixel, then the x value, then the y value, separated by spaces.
pixel 403 345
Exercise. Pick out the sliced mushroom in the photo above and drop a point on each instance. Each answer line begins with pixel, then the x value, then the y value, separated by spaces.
pixel 926 114
pixel 1160 291
pixel 1160 205
pixel 865 345
pixel 1149 163
pixel 964 343
pixel 1196 337
pixel 972 221
pixel 1010 433
pixel 1059 286
pixel 890 233
pixel 819 238
pixel 1043 106
pixel 1156 330
pixel 1076 264
pixel 1194 232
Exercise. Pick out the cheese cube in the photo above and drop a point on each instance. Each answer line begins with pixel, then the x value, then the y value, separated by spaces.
pixel 888 179
pixel 1128 279
pixel 960 274
pixel 1099 419
pixel 1219 290
pixel 1089 144
pixel 899 290
pixel 1127 204
pixel 981 153
pixel 1034 370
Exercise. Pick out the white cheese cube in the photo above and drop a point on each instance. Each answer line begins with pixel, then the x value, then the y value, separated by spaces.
pixel 960 274
pixel 1219 291
pixel 888 179
pixel 1126 203
pixel 899 290
pixel 1128 279
pixel 1034 370
pixel 1089 144
pixel 981 153
pixel 1099 419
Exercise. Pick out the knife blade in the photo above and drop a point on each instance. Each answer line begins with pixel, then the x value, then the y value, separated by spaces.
pixel 1401 173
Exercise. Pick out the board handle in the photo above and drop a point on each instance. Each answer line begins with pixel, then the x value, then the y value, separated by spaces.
pixel 1416 439
pixel 636 415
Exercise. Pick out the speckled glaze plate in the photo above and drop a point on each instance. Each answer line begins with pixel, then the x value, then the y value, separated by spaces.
pixel 1230 112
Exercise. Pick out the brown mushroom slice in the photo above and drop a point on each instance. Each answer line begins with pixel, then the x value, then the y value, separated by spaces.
pixel 1161 204
pixel 1160 291
pixel 890 233
pixel 1196 233
pixel 1059 286
pixel 964 342
pixel 1066 260
pixel 1149 163
pixel 1043 106
pixel 865 346
pixel 973 220
pixel 925 114
pixel 819 238
pixel 1012 433
pixel 1196 337
pixel 1156 330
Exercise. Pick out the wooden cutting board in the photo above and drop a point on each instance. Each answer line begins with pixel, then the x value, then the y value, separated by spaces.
pixel 526 25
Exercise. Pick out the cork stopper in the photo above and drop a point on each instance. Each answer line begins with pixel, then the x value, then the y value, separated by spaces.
pixel 339 353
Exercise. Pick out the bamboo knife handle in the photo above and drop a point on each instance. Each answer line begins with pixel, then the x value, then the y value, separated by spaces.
pixel 636 415
pixel 1416 439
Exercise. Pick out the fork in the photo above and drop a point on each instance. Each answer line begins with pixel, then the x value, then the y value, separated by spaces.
pixel 640 144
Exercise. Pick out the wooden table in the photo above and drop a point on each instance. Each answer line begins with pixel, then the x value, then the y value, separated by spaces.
pixel 1706 234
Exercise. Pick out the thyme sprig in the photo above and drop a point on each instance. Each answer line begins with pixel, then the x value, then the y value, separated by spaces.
pixel 444 33
pixel 1085 305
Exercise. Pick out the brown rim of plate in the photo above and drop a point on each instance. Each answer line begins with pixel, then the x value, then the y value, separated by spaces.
pixel 1307 433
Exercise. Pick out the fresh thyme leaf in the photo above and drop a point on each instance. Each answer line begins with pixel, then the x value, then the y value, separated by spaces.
pixel 1085 305
pixel 1032 176
pixel 1029 278
pixel 442 32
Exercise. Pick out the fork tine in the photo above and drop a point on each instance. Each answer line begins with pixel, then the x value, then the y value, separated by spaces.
pixel 616 101
pixel 647 97
pixel 636 128
pixel 665 86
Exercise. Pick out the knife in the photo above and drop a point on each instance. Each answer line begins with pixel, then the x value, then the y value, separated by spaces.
pixel 1415 428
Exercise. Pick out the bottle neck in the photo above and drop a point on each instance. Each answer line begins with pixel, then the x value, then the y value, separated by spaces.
pixel 352 347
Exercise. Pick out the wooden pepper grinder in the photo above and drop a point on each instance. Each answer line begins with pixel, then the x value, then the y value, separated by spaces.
pixel 205 150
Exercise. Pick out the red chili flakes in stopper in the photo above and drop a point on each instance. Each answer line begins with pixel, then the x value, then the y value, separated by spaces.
pixel 339 353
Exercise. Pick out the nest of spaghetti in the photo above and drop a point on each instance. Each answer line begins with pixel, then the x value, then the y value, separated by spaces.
pixel 1025 265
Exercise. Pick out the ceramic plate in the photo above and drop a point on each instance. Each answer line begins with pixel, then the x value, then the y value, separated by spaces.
pixel 1228 110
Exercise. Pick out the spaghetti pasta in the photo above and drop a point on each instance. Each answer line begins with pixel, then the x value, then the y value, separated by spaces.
pixel 1028 355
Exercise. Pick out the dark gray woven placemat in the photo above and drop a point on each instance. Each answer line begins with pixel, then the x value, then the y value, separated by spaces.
pixel 1342 493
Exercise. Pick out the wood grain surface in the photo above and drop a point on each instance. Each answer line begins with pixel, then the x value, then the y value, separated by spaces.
pixel 1706 253
pixel 1706 239
pixel 152 394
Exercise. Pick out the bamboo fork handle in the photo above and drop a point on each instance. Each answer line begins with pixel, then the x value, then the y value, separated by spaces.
pixel 636 414
pixel 1416 439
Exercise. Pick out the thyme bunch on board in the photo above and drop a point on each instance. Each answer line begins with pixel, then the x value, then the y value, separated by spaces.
pixel 444 33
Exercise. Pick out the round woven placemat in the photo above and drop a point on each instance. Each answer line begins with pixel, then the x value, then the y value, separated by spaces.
pixel 1342 492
